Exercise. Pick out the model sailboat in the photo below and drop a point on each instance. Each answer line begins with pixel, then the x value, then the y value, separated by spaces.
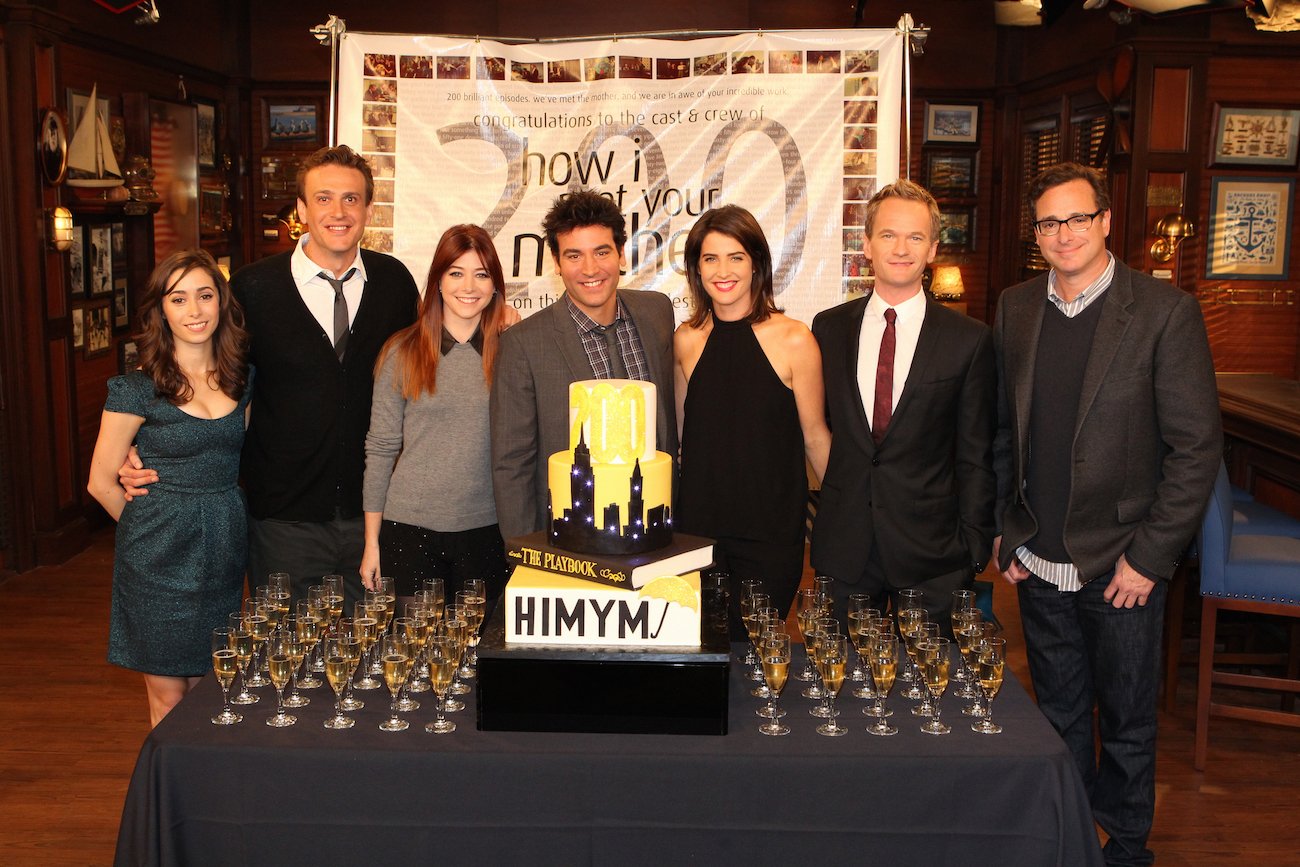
pixel 90 155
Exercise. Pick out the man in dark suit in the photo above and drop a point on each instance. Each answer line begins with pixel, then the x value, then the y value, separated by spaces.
pixel 1108 444
pixel 316 318
pixel 593 331
pixel 910 391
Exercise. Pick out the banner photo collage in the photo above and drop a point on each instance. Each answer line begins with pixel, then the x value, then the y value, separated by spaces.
pixel 800 128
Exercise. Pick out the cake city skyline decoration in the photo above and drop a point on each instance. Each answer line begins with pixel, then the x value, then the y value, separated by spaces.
pixel 576 528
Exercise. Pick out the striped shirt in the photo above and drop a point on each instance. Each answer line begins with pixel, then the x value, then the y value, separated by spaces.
pixel 629 342
pixel 1066 576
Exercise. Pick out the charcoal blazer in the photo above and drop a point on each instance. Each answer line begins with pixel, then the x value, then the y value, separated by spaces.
pixel 538 360
pixel 925 495
pixel 1147 440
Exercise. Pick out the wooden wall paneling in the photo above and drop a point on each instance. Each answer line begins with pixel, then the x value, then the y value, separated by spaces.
pixel 1247 337
pixel 1170 108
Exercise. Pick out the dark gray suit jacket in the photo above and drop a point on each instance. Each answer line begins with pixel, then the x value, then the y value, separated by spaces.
pixel 925 495
pixel 539 357
pixel 1147 442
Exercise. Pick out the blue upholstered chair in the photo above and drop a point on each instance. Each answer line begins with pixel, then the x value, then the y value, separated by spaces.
pixel 1243 571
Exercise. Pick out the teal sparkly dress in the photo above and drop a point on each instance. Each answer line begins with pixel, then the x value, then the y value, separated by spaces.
pixel 178 566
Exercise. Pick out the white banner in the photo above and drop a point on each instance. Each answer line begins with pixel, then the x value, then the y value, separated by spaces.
pixel 800 128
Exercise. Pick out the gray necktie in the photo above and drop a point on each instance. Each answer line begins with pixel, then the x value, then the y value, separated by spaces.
pixel 340 310
pixel 609 334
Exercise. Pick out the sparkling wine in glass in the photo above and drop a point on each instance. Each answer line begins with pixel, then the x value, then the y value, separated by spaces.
pixel 443 661
pixel 366 621
pixel 279 663
pixel 338 672
pixel 225 664
pixel 833 662
pixel 935 657
pixel 395 656
pixel 775 653
pixel 883 660
pixel 989 670
pixel 241 641
pixel 311 622
pixel 350 646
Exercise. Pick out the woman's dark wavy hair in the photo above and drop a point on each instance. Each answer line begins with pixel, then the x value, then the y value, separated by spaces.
pixel 154 337
pixel 738 224
pixel 419 346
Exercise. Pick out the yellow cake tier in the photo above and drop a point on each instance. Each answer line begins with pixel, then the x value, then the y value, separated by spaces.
pixel 615 418
pixel 611 485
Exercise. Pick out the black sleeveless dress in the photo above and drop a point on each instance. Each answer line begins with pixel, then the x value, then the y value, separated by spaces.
pixel 742 468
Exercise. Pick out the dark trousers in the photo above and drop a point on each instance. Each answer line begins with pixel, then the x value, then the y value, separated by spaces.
pixel 308 550
pixel 411 554
pixel 1085 652
pixel 778 566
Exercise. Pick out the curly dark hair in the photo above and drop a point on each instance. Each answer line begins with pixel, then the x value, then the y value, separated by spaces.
pixel 583 207
pixel 339 155
pixel 158 348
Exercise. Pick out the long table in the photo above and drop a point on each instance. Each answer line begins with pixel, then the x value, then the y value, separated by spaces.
pixel 250 794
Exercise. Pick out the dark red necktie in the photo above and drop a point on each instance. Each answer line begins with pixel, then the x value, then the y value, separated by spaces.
pixel 883 407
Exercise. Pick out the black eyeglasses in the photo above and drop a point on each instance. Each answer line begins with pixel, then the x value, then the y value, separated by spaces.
pixel 1078 224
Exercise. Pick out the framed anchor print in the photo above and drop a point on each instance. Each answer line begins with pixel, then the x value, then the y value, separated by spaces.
pixel 1249 228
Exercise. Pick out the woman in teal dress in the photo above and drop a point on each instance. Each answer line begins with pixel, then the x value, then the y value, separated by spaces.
pixel 178 566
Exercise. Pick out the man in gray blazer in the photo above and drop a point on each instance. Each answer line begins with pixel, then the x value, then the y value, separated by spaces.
pixel 593 331
pixel 1108 443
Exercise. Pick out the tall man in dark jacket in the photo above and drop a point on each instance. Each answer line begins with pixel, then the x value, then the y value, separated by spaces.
pixel 1108 444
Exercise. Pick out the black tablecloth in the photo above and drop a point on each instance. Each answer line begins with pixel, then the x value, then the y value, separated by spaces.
pixel 250 794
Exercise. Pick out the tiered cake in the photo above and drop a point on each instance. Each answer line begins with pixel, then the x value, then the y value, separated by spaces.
pixel 607 570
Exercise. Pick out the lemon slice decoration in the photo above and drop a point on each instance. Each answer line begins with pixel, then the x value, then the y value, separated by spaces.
pixel 672 588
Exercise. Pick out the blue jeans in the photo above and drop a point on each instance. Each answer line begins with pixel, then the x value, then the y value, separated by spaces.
pixel 1083 652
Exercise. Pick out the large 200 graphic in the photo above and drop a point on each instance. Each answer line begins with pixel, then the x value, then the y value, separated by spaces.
pixel 514 146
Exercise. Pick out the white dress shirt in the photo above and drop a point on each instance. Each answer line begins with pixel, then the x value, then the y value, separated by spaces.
pixel 317 294
pixel 907 330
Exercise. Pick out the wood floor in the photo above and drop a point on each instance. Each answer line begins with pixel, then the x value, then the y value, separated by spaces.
pixel 71 725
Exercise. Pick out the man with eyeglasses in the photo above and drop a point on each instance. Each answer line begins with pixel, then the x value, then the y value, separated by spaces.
pixel 1108 443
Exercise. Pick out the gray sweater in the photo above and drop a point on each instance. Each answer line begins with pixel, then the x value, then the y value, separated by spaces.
pixel 428 460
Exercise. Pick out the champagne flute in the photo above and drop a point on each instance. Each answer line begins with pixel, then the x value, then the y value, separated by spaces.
pixel 861 628
pixel 365 621
pixel 884 668
pixel 823 586
pixel 418 623
pixel 476 588
pixel 395 656
pixel 806 613
pixel 313 615
pixel 457 630
pixel 402 629
pixel 224 665
pixel 935 655
pixel 834 659
pixel 333 585
pixel 858 602
pixel 910 621
pixel 812 635
pixel 350 645
pixel 749 587
pixel 280 665
pixel 978 636
pixel 338 671
pixel 962 633
pixel 437 590
pixel 962 601
pixel 443 661
pixel 473 605
pixel 825 626
pixel 260 627
pixel 774 636
pixel 297 653
pixel 988 670
pixel 279 583
pixel 241 641
pixel 927 631
pixel 775 653
pixel 762 618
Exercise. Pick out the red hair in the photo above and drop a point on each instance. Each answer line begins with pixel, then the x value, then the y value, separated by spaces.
pixel 419 346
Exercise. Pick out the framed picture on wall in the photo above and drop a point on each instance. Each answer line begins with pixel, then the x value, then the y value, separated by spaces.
pixel 128 356
pixel 951 172
pixel 78 327
pixel 77 262
pixel 292 122
pixel 956 228
pixel 1255 136
pixel 99 329
pixel 212 210
pixel 121 304
pixel 207 126
pixel 952 123
pixel 99 263
pixel 1250 228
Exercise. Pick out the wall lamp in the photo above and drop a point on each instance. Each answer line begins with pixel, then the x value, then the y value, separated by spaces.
pixel 288 217
pixel 1170 231
pixel 60 229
